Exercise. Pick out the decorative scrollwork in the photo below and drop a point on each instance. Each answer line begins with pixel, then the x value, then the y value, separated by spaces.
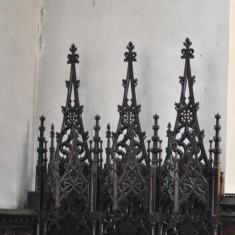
pixel 134 213
pixel 132 184
pixel 187 53
pixel 186 140
pixel 133 192
pixel 73 57
pixel 129 194
pixel 68 182
pixel 130 56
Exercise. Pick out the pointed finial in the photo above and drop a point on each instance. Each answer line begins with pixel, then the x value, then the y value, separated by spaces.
pixel 217 116
pixel 97 117
pixel 187 52
pixel 169 142
pixel 97 127
pixel 96 138
pixel 42 119
pixel 108 135
pixel 73 58
pixel 41 140
pixel 155 150
pixel 169 126
pixel 155 117
pixel 52 148
pixel 217 140
pixel 108 149
pixel 130 56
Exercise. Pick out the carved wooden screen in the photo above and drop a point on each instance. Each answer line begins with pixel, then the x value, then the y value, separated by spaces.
pixel 68 180
pixel 186 188
pixel 127 211
pixel 133 193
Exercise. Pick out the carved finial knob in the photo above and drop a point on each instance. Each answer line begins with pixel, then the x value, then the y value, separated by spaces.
pixel 42 118
pixel 73 58
pixel 169 126
pixel 187 52
pixel 52 131
pixel 97 117
pixel 156 117
pixel 217 116
pixel 130 56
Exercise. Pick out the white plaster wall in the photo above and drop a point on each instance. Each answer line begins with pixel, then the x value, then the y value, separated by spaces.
pixel 101 31
pixel 230 158
pixel 18 38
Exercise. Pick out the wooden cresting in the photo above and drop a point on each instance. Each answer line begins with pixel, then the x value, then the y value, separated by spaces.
pixel 133 187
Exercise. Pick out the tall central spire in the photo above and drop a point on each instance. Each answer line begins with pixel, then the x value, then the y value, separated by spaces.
pixel 186 120
pixel 130 162
pixel 72 120
pixel 68 177
pixel 128 141
pixel 129 125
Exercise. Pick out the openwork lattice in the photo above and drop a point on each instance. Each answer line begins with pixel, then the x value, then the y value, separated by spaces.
pixel 133 192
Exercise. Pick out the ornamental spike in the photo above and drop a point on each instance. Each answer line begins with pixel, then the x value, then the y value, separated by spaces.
pixel 41 140
pixel 108 149
pixel 52 147
pixel 101 153
pixel 96 138
pixel 217 140
pixel 73 57
pixel 187 52
pixel 130 56
pixel 155 150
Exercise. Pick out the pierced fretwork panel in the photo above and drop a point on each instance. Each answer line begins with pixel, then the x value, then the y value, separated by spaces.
pixel 130 164
pixel 185 182
pixel 133 192
pixel 69 168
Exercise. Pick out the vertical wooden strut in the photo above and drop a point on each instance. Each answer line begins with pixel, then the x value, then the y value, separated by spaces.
pixel 94 191
pixel 167 171
pixel 41 172
pixel 154 184
pixel 94 166
pixel 176 184
pixel 108 148
pixel 52 147
pixel 41 154
pixel 216 177
pixel 106 183
pixel 153 167
pixel 41 140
